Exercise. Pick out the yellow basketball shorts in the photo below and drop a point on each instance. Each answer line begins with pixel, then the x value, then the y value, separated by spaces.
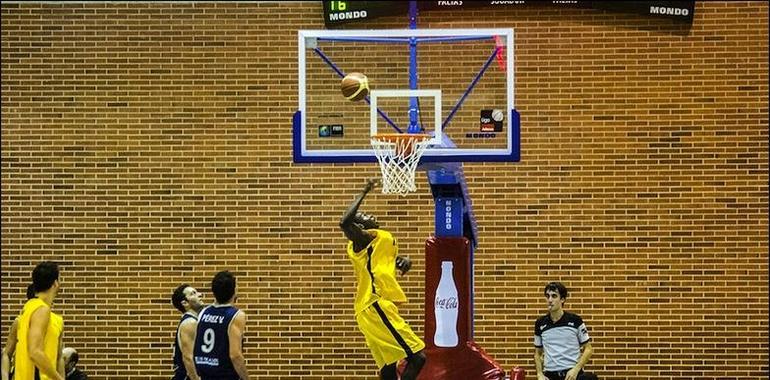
pixel 388 336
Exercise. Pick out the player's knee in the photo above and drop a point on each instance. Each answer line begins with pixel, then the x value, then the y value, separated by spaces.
pixel 417 359
pixel 414 365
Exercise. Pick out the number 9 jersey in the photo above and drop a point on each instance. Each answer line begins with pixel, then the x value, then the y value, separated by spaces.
pixel 211 352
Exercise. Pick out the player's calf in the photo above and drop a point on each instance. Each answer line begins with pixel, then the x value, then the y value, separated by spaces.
pixel 414 364
pixel 388 372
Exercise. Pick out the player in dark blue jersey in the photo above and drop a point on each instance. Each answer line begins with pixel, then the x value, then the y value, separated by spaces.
pixel 187 300
pixel 218 350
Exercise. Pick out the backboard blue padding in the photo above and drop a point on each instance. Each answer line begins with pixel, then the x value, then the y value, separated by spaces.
pixel 321 157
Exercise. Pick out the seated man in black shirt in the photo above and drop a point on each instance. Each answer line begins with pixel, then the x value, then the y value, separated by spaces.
pixel 71 371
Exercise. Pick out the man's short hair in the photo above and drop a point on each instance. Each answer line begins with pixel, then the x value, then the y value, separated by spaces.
pixel 223 286
pixel 45 275
pixel 178 296
pixel 557 287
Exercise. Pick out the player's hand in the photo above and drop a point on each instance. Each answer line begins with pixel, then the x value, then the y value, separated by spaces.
pixel 403 264
pixel 572 374
pixel 370 184
pixel 541 376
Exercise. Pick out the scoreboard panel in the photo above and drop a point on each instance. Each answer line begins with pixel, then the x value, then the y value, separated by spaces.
pixel 340 12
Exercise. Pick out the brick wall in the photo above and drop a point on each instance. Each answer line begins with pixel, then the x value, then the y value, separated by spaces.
pixel 145 145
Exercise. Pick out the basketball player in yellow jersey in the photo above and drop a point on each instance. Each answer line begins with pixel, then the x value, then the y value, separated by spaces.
pixel 38 355
pixel 10 345
pixel 374 255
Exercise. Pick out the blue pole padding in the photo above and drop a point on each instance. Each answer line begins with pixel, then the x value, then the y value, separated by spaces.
pixel 452 39
pixel 386 40
pixel 342 75
pixel 449 216
pixel 470 88
pixel 413 15
pixel 413 127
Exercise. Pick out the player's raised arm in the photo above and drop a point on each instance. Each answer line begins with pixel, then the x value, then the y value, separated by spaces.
pixel 353 231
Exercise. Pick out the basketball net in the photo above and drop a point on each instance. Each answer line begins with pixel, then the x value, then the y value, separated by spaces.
pixel 399 155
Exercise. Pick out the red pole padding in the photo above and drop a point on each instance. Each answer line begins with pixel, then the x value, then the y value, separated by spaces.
pixel 465 360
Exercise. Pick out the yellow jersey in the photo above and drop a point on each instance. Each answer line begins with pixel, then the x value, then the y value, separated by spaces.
pixel 375 269
pixel 24 368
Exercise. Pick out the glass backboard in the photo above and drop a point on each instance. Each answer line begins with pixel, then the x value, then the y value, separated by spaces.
pixel 473 118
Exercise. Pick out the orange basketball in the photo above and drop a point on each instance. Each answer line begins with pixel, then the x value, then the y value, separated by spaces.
pixel 355 86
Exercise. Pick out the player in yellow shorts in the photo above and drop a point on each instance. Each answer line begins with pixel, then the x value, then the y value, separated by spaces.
pixel 375 258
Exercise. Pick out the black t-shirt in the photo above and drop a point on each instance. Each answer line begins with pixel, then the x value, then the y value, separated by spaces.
pixel 76 374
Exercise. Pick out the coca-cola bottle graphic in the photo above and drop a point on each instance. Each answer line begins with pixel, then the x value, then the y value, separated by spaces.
pixel 446 308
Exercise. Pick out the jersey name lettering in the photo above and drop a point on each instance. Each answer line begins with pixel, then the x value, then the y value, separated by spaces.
pixel 213 318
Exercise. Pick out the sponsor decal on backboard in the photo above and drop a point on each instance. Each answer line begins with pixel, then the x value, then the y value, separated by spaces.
pixel 491 120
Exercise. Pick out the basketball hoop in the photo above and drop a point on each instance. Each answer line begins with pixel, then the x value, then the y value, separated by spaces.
pixel 398 155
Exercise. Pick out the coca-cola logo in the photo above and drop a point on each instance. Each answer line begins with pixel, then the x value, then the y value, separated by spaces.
pixel 446 303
